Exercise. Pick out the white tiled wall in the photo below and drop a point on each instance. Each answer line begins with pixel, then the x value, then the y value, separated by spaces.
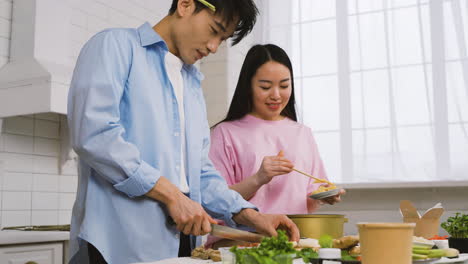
pixel 32 189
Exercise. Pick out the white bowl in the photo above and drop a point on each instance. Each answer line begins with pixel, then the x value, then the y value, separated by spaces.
pixel 441 244
pixel 329 253
pixel 227 256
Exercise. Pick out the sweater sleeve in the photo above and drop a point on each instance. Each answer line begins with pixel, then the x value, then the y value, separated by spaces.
pixel 222 156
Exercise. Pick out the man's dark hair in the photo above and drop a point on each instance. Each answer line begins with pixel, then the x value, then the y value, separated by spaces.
pixel 242 101
pixel 245 10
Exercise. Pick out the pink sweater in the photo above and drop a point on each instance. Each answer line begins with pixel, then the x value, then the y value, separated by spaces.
pixel 237 151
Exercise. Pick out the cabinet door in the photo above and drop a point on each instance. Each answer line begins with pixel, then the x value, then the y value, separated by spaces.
pixel 50 253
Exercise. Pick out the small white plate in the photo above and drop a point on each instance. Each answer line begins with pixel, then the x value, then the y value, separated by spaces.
pixel 461 259
pixel 426 261
pixel 322 195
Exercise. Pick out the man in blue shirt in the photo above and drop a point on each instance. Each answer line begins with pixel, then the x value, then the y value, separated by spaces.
pixel 137 120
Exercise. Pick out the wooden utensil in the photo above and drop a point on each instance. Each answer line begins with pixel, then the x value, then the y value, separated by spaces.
pixel 315 178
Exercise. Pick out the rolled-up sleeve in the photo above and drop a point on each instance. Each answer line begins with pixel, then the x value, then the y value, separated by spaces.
pixel 95 96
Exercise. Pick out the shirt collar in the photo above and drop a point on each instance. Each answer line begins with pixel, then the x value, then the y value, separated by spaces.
pixel 148 36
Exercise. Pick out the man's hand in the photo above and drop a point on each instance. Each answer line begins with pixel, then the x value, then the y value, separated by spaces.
pixel 189 216
pixel 267 223
pixel 273 166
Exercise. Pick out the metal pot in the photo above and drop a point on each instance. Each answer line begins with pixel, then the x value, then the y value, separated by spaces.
pixel 316 225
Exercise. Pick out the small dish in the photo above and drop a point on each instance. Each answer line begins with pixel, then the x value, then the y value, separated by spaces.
pixel 425 261
pixel 227 256
pixel 323 195
pixel 441 244
pixel 461 259
pixel 329 253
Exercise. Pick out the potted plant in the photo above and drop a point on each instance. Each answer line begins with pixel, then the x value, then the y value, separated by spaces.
pixel 457 227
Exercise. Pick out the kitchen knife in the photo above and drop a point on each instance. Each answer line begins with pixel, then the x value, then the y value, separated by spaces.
pixel 235 234
pixel 229 233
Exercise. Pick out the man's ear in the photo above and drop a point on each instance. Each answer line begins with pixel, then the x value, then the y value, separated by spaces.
pixel 185 7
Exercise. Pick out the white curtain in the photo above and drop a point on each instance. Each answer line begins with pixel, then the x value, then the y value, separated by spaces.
pixel 382 83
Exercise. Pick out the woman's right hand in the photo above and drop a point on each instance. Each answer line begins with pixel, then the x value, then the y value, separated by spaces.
pixel 273 166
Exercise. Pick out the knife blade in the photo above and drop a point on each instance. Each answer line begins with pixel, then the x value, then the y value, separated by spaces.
pixel 235 234
pixel 229 233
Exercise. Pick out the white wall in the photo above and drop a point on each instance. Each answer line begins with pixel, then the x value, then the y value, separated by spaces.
pixel 32 188
pixel 382 205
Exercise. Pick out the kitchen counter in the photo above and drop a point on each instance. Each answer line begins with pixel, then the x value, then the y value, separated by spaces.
pixel 462 260
pixel 9 237
pixel 196 261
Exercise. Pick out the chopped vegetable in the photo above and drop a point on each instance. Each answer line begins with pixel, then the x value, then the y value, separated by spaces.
pixel 451 252
pixel 268 252
pixel 346 256
pixel 436 237
pixel 326 241
pixel 346 242
pixel 307 255
pixel 425 253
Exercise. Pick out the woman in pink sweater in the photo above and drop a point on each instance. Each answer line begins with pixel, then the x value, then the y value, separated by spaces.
pixel 259 142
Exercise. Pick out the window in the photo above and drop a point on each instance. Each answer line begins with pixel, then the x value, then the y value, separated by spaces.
pixel 382 83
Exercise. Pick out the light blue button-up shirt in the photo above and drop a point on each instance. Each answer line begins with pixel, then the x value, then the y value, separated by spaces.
pixel 124 125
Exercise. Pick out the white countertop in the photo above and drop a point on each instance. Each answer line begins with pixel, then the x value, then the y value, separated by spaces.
pixel 23 237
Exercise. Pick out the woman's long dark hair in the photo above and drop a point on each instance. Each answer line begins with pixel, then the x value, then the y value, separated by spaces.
pixel 242 101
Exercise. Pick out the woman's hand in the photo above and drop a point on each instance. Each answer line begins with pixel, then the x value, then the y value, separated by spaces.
pixel 273 166
pixel 334 199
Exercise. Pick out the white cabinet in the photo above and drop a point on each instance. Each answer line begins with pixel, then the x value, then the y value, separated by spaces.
pixel 47 253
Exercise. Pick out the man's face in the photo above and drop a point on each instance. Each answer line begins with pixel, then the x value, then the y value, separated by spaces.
pixel 200 34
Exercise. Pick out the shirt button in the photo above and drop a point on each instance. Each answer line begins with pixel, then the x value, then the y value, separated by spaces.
pixel 177 236
pixel 177 167
pixel 176 134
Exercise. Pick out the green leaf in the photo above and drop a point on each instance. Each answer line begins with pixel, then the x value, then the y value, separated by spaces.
pixel 267 252
pixel 457 226
pixel 326 241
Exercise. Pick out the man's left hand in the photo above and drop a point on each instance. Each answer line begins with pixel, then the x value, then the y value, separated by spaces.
pixel 267 224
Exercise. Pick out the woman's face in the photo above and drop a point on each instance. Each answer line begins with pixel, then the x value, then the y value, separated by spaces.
pixel 271 87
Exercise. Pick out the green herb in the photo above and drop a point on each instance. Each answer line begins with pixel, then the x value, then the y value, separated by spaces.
pixel 457 226
pixel 307 255
pixel 272 250
pixel 345 255
pixel 326 241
